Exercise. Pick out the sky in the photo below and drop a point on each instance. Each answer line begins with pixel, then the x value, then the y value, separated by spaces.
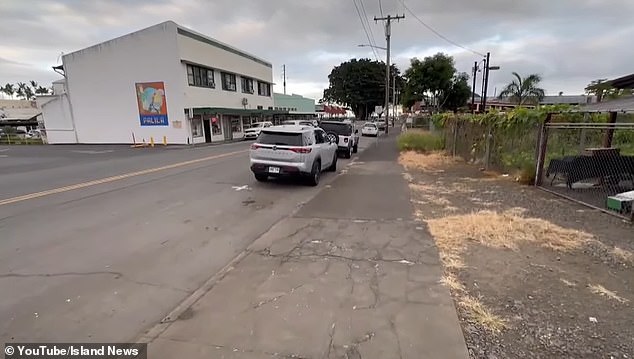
pixel 568 42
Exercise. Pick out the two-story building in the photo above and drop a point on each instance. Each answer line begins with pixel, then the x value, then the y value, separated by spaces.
pixel 165 82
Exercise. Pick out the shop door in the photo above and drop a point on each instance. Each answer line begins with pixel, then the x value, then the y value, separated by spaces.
pixel 226 128
pixel 207 130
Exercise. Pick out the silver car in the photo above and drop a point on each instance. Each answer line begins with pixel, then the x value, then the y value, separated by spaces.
pixel 254 131
pixel 293 151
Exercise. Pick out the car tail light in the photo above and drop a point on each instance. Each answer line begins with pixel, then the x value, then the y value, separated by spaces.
pixel 255 146
pixel 345 140
pixel 301 149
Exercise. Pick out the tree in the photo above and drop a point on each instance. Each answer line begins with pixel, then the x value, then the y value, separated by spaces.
pixel 522 90
pixel 8 89
pixel 435 81
pixel 459 93
pixel 41 90
pixel 358 84
pixel 602 89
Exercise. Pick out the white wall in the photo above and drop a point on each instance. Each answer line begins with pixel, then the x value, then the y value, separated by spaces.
pixel 57 119
pixel 101 85
pixel 197 52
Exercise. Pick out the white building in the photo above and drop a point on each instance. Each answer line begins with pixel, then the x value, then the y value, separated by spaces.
pixel 162 81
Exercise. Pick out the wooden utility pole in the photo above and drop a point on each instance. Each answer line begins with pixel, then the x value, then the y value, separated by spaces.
pixel 388 33
pixel 284 74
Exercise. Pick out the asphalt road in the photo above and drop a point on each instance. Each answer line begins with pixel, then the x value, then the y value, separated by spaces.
pixel 99 243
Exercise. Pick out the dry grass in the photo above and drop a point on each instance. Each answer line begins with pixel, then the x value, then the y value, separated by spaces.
pixel 434 162
pixel 450 281
pixel 480 314
pixel 502 230
pixel 451 261
pixel 602 291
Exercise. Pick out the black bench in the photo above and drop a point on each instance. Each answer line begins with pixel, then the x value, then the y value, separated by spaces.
pixel 578 168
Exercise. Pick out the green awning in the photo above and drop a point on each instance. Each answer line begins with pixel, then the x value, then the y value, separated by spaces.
pixel 236 111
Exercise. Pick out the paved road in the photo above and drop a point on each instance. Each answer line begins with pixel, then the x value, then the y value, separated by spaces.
pixel 125 234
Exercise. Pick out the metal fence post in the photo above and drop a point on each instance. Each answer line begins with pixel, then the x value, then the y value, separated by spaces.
pixel 487 151
pixel 455 137
pixel 543 145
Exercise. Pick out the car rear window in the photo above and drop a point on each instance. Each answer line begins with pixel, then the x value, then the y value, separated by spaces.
pixel 370 125
pixel 280 138
pixel 343 129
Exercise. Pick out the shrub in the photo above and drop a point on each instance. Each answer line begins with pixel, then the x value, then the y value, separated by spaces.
pixel 420 141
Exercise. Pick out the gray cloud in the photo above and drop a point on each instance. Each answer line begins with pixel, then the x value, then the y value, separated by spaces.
pixel 568 42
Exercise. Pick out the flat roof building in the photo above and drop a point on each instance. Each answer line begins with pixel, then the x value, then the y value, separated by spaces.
pixel 165 81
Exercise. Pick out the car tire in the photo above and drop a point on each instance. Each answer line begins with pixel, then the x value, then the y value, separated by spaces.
pixel 261 177
pixel 333 165
pixel 348 153
pixel 315 173
pixel 355 149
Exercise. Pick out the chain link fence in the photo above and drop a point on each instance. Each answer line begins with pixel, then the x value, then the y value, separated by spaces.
pixel 493 146
pixel 590 162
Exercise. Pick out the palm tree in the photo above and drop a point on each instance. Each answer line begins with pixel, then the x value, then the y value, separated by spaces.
pixel 41 90
pixel 8 89
pixel 21 91
pixel 521 90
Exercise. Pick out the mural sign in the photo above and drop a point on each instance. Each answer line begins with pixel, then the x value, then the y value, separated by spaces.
pixel 152 103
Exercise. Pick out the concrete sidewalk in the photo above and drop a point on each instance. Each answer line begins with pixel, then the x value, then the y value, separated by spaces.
pixel 350 275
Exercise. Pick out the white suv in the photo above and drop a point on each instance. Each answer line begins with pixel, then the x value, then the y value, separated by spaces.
pixel 289 150
pixel 344 134
pixel 254 131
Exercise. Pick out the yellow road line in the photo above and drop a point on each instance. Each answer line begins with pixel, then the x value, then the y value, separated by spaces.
pixel 113 178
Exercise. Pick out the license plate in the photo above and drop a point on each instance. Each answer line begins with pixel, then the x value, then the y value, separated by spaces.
pixel 274 170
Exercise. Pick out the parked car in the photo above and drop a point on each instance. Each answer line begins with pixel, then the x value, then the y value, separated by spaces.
pixel 254 131
pixel 347 138
pixel 35 134
pixel 298 123
pixel 370 129
pixel 380 124
pixel 293 151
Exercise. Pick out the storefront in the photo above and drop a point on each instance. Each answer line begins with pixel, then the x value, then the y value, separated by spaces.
pixel 210 124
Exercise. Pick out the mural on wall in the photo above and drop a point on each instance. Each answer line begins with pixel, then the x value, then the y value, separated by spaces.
pixel 152 103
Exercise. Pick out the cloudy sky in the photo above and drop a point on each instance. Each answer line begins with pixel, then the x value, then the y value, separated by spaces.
pixel 568 42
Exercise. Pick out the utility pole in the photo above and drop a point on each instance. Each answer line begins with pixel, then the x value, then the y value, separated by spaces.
pixel 394 99
pixel 486 81
pixel 284 74
pixel 388 33
pixel 475 74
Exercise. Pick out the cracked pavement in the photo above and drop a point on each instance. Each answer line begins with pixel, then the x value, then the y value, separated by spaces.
pixel 350 275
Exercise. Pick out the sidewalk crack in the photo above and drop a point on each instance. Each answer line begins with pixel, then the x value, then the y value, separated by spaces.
pixel 270 300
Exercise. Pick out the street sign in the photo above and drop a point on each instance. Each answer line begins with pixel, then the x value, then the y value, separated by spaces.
pixel 378 109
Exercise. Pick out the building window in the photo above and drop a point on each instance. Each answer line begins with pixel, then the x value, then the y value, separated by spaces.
pixel 247 85
pixel 264 89
pixel 228 81
pixel 216 130
pixel 200 76
pixel 197 127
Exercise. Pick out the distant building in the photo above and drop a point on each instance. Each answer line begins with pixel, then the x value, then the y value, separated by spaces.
pixel 23 113
pixel 331 111
pixel 500 104
pixel 298 107
pixel 165 80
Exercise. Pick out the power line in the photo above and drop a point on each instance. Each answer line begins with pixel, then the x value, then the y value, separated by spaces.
pixel 381 8
pixel 367 22
pixel 439 34
pixel 376 57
